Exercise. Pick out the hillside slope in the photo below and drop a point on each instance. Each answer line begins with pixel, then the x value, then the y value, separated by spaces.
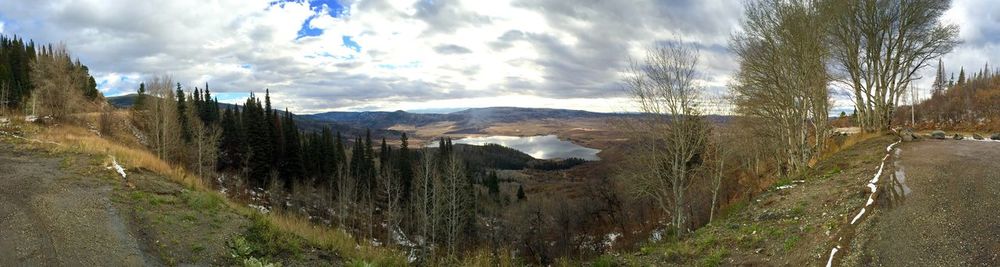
pixel 65 203
pixel 796 223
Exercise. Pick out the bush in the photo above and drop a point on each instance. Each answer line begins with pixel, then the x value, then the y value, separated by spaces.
pixel 995 136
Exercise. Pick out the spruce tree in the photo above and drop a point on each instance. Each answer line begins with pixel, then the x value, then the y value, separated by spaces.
pixel 182 115
pixel 405 169
pixel 520 193
pixel 258 141
pixel 140 98
pixel 292 170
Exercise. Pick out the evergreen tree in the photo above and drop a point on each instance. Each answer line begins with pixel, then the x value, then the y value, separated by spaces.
pixel 140 98
pixel 275 131
pixel 258 142
pixel 292 170
pixel 493 184
pixel 520 193
pixel 231 143
pixel 961 77
pixel 182 115
pixel 405 169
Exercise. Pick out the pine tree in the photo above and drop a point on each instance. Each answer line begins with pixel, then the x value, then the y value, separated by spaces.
pixel 182 115
pixel 140 98
pixel 938 86
pixel 258 141
pixel 493 184
pixel 292 170
pixel 405 169
pixel 520 193
pixel 961 77
pixel 231 143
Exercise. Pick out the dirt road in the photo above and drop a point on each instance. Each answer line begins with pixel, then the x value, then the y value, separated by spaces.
pixel 941 207
pixel 52 214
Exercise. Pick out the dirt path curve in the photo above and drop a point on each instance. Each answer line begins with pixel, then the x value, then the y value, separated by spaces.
pixel 945 211
pixel 51 216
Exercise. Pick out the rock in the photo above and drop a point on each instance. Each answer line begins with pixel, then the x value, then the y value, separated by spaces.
pixel 977 137
pixel 906 135
pixel 938 134
pixel 995 136
pixel 958 137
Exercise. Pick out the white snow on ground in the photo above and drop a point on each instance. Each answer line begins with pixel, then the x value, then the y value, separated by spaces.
pixel 829 263
pixel 783 187
pixel 262 209
pixel 871 197
pixel 610 239
pixel 118 168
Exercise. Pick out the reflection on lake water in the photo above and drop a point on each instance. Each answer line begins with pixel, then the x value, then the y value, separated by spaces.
pixel 539 147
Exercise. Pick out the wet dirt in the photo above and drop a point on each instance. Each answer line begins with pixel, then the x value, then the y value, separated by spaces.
pixel 940 208
pixel 55 214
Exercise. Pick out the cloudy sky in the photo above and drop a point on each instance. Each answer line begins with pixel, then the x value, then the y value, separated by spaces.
pixel 425 55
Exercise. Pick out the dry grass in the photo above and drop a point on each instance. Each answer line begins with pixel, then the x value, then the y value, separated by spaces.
pixel 68 138
pixel 833 147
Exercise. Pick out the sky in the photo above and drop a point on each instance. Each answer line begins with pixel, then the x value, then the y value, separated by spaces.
pixel 424 55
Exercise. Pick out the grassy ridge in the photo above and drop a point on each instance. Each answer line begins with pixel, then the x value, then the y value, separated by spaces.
pixel 274 234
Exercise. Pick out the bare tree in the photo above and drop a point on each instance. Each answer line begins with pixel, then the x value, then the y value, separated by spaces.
pixel 424 201
pixel 454 201
pixel 880 45
pixel 670 138
pixel 160 119
pixel 782 80
pixel 54 76
pixel 206 143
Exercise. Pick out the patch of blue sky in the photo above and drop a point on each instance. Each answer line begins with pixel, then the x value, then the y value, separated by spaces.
pixel 410 65
pixel 246 66
pixel 331 7
pixel 230 97
pixel 308 30
pixel 351 43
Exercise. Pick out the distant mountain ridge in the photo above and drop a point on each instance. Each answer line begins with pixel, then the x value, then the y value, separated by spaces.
pixel 469 119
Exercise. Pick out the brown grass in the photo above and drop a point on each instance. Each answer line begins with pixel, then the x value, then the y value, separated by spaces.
pixel 833 147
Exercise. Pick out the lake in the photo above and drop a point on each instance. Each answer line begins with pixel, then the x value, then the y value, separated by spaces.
pixel 539 147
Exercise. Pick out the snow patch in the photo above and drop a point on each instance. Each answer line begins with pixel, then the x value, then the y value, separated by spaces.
pixel 783 187
pixel 833 252
pixel 261 209
pixel 117 167
pixel 609 239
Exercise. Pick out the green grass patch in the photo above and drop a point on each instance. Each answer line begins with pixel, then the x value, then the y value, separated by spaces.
pixel 790 242
pixel 604 261
pixel 714 258
pixel 152 199
pixel 734 208
pixel 202 201
pixel 266 241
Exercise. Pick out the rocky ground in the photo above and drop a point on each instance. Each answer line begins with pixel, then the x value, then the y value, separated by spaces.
pixel 943 211
pixel 56 212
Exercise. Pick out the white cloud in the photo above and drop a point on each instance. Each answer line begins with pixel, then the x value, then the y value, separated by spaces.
pixel 409 54
pixel 1 26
